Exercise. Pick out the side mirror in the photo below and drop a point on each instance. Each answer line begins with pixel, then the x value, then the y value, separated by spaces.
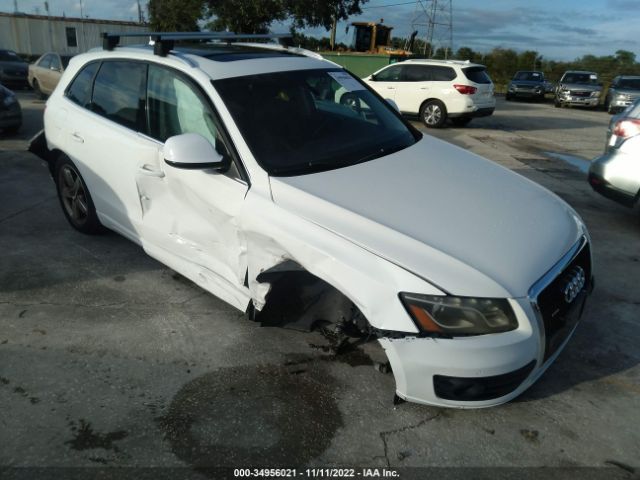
pixel 371 78
pixel 192 151
pixel 393 104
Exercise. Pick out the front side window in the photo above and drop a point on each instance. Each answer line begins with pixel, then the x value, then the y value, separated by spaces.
pixel 80 89
pixel 45 62
pixel 118 93
pixel 55 62
pixel 175 106
pixel 391 74
pixel 306 121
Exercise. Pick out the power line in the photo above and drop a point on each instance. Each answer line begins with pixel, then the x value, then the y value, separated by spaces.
pixel 385 6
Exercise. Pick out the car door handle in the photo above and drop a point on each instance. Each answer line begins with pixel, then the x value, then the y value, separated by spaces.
pixel 76 137
pixel 391 88
pixel 150 171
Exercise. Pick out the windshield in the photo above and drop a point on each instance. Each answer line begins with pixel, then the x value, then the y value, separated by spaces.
pixel 630 83
pixel 529 76
pixel 9 56
pixel 307 121
pixel 582 78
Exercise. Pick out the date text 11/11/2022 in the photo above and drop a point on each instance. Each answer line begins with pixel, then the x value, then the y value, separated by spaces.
pixel 315 473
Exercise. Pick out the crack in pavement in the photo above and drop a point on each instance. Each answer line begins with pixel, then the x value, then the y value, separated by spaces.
pixel 387 433
pixel 15 214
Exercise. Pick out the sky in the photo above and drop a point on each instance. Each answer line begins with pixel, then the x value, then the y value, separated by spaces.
pixel 557 29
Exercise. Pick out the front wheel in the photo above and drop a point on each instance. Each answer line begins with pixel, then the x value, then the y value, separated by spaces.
pixel 36 88
pixel 433 113
pixel 556 103
pixel 75 198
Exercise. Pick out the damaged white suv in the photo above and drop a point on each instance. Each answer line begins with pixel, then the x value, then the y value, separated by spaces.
pixel 285 186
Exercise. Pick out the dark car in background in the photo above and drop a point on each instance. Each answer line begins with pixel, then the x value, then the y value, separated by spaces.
pixel 623 91
pixel 578 88
pixel 10 111
pixel 13 70
pixel 527 84
pixel 616 173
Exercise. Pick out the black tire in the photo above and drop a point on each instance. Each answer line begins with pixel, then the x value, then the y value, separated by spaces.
pixel 36 88
pixel 433 114
pixel 508 97
pixel 75 198
pixel 461 121
pixel 556 103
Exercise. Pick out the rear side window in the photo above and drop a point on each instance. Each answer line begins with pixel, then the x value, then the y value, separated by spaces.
pixel 442 74
pixel 477 74
pixel 118 93
pixel 80 89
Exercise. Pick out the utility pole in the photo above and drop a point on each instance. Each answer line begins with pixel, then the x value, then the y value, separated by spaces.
pixel 140 17
pixel 15 6
pixel 332 38
pixel 46 8
pixel 435 18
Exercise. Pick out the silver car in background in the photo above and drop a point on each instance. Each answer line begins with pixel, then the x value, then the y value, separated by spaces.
pixel 578 88
pixel 624 90
pixel 616 173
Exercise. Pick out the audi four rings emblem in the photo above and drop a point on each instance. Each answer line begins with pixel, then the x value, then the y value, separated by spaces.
pixel 575 283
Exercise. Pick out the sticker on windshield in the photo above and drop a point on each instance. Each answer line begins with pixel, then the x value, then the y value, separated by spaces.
pixel 347 81
pixel 593 77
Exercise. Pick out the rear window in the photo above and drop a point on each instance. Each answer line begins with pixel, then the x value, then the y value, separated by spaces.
pixel 477 74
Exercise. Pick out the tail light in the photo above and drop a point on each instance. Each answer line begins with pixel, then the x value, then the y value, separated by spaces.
pixel 626 128
pixel 465 89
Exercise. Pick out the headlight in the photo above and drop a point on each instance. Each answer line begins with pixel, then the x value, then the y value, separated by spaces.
pixel 623 96
pixel 459 316
pixel 512 87
pixel 595 94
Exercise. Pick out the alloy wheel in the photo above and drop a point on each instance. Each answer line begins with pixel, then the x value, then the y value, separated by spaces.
pixel 74 197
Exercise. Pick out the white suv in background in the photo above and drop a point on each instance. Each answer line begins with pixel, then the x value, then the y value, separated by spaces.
pixel 282 184
pixel 437 89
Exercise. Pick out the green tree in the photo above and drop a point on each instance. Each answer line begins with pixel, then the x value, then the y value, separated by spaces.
pixel 625 57
pixel 175 15
pixel 255 16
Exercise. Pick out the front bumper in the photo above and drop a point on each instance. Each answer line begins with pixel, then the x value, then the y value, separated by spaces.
pixel 579 101
pixel 526 93
pixel 487 370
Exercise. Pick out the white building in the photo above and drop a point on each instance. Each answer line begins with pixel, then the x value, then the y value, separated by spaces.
pixel 34 35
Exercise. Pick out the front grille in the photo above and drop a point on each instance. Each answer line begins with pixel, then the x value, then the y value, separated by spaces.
pixel 580 93
pixel 559 315
pixel 475 389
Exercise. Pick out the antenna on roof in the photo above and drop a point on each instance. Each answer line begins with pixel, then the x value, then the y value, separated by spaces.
pixel 164 42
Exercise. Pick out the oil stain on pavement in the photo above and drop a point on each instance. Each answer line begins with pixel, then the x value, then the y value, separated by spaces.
pixel 253 415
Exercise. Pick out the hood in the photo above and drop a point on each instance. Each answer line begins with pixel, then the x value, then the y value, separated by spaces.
pixel 528 83
pixel 17 66
pixel 631 92
pixel 463 223
pixel 581 86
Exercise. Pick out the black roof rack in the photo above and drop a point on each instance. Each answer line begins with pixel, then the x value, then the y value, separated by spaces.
pixel 165 41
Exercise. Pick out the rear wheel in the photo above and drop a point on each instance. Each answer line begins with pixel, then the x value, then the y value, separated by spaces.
pixel 508 97
pixel 75 199
pixel 556 103
pixel 433 113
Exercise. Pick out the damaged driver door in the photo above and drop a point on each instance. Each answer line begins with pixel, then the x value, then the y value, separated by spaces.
pixel 190 210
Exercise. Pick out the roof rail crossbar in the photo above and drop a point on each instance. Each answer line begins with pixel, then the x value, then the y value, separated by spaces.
pixel 163 42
